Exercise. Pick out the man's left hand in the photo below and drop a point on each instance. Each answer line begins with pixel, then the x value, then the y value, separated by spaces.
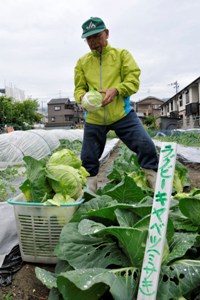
pixel 109 95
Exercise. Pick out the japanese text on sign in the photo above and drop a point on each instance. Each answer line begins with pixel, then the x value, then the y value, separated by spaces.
pixel 158 223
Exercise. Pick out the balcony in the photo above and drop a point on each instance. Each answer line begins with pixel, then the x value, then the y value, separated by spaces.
pixel 174 114
pixel 192 109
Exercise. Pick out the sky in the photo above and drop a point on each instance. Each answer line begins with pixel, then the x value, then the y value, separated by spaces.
pixel 40 43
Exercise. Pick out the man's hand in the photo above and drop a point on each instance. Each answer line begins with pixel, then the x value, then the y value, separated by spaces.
pixel 109 95
pixel 81 98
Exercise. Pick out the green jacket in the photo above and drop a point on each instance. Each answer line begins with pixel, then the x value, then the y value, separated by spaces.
pixel 113 68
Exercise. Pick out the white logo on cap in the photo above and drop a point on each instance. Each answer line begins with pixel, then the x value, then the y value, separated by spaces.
pixel 91 25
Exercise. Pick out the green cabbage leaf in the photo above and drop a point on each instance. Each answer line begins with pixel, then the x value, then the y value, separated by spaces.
pixel 92 101
pixel 65 180
pixel 65 157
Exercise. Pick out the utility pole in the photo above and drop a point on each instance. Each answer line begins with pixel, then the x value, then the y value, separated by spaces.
pixel 175 85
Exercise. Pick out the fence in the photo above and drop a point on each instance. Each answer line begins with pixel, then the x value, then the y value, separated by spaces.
pixel 189 122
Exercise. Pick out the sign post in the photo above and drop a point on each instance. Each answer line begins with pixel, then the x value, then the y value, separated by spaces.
pixel 150 271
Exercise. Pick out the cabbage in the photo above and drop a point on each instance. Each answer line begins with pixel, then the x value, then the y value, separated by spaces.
pixel 59 199
pixel 92 101
pixel 57 180
pixel 36 187
pixel 165 251
pixel 65 157
pixel 66 175
pixel 65 180
pixel 84 175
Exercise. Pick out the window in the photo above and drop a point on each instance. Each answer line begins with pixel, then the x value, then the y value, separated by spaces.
pixel 69 106
pixel 68 118
pixel 156 106
pixel 53 119
pixel 57 108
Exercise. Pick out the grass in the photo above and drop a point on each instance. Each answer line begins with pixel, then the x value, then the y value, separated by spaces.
pixel 191 139
pixel 7 178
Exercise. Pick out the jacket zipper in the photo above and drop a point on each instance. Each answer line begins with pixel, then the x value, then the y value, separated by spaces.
pixel 101 86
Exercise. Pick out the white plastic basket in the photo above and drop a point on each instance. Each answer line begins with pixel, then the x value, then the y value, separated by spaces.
pixel 39 227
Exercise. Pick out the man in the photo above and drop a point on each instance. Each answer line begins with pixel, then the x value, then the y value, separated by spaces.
pixel 115 74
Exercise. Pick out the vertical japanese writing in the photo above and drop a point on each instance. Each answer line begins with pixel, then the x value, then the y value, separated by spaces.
pixel 158 223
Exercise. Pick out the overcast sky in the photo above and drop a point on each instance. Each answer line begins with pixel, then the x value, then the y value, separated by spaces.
pixel 40 42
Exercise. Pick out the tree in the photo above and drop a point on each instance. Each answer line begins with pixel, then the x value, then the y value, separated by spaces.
pixel 14 112
pixel 5 110
pixel 150 121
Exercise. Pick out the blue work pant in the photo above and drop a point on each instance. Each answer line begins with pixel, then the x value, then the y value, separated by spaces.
pixel 130 131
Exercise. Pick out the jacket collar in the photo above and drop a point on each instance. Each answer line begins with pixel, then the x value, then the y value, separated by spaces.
pixel 105 50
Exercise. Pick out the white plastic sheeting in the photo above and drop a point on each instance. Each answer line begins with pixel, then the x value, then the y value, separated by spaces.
pixel 36 143
pixel 39 143
pixel 191 154
pixel 8 230
pixel 110 145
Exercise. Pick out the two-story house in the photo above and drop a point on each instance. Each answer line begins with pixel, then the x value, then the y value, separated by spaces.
pixel 149 106
pixel 63 112
pixel 186 105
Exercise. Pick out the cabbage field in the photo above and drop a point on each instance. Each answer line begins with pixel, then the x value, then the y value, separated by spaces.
pixel 101 249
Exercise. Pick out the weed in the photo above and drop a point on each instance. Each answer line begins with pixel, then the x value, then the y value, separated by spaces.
pixel 7 296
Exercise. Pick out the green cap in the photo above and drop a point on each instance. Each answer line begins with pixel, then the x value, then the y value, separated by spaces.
pixel 92 26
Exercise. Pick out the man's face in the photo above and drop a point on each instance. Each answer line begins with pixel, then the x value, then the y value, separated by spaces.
pixel 98 41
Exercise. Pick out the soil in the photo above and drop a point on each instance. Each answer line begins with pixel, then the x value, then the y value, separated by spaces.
pixel 25 285
pixel 193 172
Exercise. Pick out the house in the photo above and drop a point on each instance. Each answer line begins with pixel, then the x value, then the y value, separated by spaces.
pixel 184 105
pixel 62 112
pixel 149 106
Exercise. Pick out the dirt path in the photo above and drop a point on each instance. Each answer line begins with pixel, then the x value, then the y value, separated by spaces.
pixel 26 286
pixel 193 171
